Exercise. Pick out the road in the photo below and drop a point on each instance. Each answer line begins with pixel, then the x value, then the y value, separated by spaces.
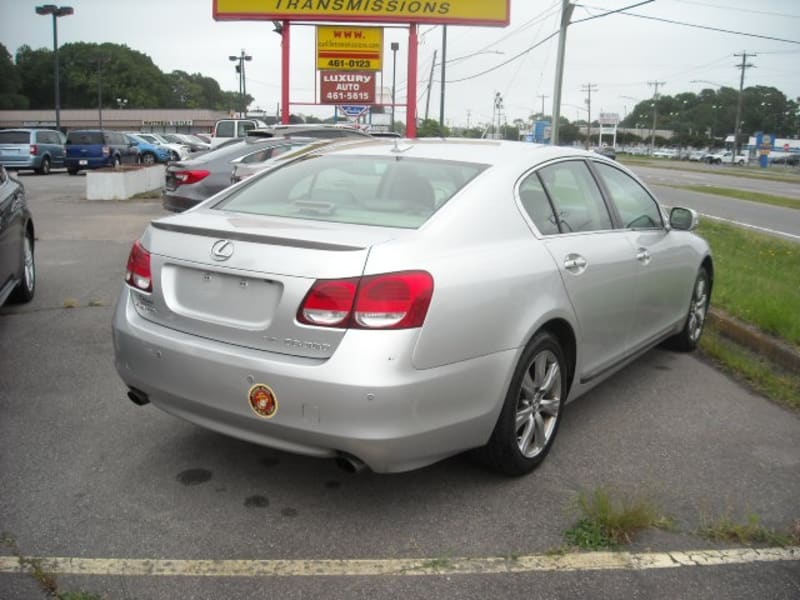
pixel 777 220
pixel 86 474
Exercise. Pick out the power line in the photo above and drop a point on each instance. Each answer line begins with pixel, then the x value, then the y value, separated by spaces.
pixel 745 10
pixel 709 28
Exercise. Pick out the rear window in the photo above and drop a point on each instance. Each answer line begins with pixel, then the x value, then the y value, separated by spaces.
pixel 15 137
pixel 382 191
pixel 85 137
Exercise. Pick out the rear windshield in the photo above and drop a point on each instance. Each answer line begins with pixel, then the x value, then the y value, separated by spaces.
pixel 15 137
pixel 383 191
pixel 85 137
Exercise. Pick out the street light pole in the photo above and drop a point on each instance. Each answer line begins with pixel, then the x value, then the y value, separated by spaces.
pixel 395 47
pixel 56 11
pixel 444 62
pixel 242 80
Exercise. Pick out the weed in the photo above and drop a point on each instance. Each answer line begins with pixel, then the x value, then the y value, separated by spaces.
pixel 95 303
pixel 726 529
pixel 71 303
pixel 47 581
pixel 608 523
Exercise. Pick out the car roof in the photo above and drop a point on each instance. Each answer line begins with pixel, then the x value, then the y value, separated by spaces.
pixel 490 152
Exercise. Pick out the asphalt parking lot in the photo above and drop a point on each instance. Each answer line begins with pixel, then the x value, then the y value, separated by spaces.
pixel 89 477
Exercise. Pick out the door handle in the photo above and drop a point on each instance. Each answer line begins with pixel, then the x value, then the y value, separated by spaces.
pixel 575 263
pixel 643 256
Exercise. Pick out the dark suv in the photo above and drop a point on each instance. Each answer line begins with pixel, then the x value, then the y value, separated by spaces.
pixel 94 149
pixel 37 149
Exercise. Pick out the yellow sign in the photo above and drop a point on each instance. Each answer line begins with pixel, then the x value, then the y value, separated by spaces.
pixel 441 12
pixel 349 48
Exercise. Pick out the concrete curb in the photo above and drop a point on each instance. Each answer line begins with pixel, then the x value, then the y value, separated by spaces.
pixel 779 352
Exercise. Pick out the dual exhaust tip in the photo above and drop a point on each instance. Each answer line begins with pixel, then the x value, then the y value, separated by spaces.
pixel 346 462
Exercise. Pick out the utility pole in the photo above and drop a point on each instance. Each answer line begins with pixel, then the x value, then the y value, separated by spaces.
pixel 589 88
pixel 430 82
pixel 241 59
pixel 738 129
pixel 542 96
pixel 656 85
pixel 444 62
pixel 566 15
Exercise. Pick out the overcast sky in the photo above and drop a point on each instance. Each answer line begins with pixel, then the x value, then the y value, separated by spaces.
pixel 618 53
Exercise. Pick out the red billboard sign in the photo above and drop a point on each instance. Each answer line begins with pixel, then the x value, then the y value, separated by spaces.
pixel 346 87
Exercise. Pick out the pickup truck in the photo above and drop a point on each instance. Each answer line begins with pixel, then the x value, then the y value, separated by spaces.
pixel 726 156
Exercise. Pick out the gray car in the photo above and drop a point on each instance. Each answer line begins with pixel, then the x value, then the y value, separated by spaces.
pixel 17 239
pixel 191 181
pixel 397 302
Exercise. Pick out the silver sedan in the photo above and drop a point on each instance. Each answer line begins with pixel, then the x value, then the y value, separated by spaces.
pixel 393 303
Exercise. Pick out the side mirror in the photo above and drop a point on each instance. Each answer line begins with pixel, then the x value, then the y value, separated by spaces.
pixel 683 219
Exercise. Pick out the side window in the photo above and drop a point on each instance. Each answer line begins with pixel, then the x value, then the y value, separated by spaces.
pixel 534 200
pixel 244 127
pixel 576 198
pixel 225 129
pixel 41 137
pixel 636 207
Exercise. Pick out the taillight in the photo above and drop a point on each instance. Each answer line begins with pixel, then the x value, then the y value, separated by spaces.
pixel 34 149
pixel 186 177
pixel 106 150
pixel 137 273
pixel 386 301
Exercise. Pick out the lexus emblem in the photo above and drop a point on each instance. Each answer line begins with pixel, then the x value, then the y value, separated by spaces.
pixel 222 250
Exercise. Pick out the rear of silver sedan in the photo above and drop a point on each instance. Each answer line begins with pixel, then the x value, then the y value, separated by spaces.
pixel 276 326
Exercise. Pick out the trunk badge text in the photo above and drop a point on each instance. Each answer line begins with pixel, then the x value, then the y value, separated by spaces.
pixel 222 250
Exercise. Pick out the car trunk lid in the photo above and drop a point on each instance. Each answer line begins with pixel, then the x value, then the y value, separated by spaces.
pixel 241 279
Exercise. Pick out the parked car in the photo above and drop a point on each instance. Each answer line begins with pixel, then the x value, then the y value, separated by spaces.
pixel 316 130
pixel 253 164
pixel 149 153
pixel 665 153
pixel 391 305
pixel 17 240
pixel 607 151
pixel 726 156
pixel 204 136
pixel 228 129
pixel 37 149
pixel 785 158
pixel 698 155
pixel 95 149
pixel 189 182
pixel 195 144
pixel 176 151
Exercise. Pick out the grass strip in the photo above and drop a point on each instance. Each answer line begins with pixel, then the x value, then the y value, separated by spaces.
pixel 750 196
pixel 759 373
pixel 756 278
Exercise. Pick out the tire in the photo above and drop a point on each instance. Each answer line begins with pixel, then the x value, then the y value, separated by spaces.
pixel 689 337
pixel 718 161
pixel 44 168
pixel 532 411
pixel 72 171
pixel 27 274
pixel 173 156
pixel 117 162
pixel 148 158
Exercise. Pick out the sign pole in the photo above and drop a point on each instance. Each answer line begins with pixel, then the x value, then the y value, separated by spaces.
pixel 411 97
pixel 285 72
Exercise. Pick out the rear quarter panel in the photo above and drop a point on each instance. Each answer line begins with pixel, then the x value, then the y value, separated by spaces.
pixel 494 282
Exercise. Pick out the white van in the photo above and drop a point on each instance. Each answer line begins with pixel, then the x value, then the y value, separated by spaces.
pixel 228 129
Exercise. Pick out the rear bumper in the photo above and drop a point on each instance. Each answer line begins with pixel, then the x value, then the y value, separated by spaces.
pixel 21 162
pixel 91 162
pixel 367 400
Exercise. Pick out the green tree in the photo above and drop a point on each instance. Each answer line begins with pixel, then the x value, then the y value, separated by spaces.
pixel 431 128
pixel 10 83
